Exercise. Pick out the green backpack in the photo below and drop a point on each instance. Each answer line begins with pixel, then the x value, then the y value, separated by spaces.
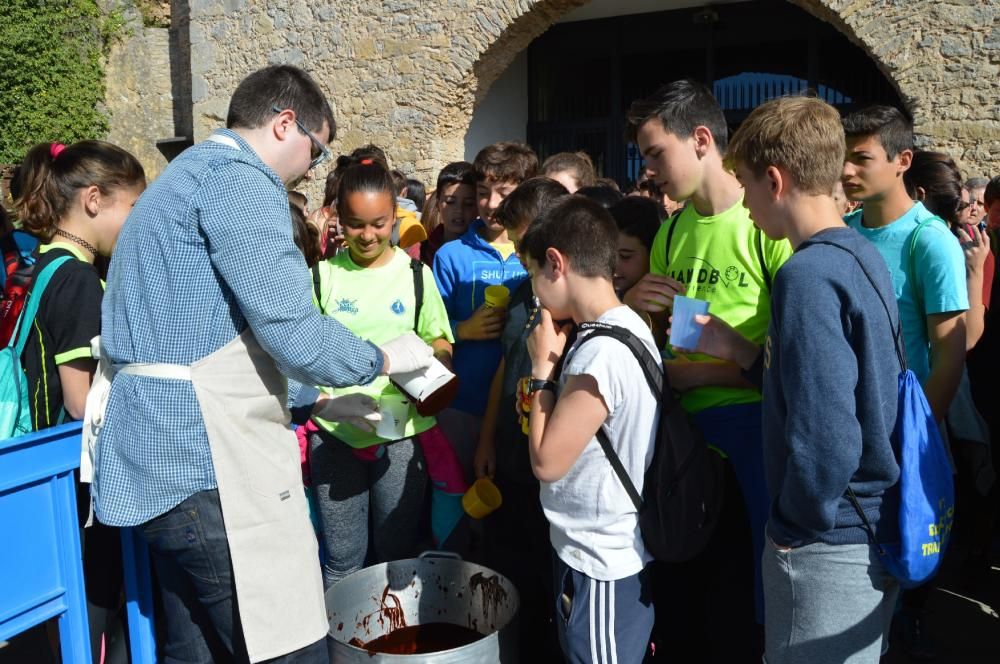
pixel 15 411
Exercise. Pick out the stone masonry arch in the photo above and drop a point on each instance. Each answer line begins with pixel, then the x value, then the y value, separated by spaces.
pixel 407 74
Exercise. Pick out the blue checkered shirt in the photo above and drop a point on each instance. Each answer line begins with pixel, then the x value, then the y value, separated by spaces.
pixel 206 252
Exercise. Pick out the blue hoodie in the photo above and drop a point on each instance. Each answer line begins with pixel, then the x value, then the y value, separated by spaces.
pixel 463 268
pixel 830 393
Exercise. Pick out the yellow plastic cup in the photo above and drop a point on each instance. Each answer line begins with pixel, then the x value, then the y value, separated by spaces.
pixel 482 498
pixel 497 296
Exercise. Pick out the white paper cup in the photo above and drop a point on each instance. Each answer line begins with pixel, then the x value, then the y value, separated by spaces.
pixel 395 410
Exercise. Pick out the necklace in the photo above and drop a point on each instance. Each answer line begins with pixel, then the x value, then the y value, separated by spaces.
pixel 79 240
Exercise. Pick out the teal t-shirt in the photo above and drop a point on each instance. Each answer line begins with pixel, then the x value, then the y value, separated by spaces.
pixel 930 281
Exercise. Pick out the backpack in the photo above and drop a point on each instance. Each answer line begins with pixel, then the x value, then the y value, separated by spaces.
pixel 15 410
pixel 18 266
pixel 683 488
pixel 926 489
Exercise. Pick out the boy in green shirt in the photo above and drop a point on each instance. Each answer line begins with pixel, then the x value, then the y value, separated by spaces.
pixel 710 251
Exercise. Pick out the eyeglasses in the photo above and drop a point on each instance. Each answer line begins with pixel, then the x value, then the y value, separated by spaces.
pixel 320 153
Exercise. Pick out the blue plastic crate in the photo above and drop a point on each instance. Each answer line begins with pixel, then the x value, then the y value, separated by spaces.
pixel 41 575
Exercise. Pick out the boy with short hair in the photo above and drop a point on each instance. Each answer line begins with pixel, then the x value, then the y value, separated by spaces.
pixel 516 535
pixel 484 256
pixel 602 589
pixel 830 372
pixel 926 264
pixel 455 198
pixel 716 254
pixel 928 272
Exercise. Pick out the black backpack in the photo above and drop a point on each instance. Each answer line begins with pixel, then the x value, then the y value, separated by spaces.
pixel 683 490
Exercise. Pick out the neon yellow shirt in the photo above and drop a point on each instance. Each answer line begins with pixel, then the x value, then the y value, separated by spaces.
pixel 505 249
pixel 717 259
pixel 377 304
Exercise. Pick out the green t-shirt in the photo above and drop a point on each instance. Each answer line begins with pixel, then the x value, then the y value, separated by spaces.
pixel 377 304
pixel 718 260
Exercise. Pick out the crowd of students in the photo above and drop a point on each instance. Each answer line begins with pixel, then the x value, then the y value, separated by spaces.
pixel 793 381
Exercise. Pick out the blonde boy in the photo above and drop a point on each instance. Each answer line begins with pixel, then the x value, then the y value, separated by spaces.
pixel 829 381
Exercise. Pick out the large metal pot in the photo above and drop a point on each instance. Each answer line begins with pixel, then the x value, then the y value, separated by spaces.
pixel 434 588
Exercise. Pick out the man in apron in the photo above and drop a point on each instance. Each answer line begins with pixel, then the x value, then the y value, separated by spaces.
pixel 208 307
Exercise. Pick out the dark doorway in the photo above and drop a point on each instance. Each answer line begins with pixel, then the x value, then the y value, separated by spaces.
pixel 582 76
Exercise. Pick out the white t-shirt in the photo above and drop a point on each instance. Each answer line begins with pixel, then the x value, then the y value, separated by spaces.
pixel 594 527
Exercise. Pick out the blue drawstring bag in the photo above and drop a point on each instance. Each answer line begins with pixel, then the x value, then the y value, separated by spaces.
pixel 926 489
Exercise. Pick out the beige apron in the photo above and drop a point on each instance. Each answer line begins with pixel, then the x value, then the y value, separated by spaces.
pixel 279 585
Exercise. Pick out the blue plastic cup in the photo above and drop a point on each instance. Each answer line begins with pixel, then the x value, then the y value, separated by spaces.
pixel 684 331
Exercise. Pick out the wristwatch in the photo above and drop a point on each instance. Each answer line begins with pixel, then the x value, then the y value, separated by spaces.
pixel 535 384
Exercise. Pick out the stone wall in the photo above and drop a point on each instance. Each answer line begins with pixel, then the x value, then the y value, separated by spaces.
pixel 944 58
pixel 407 74
pixel 138 96
pixel 148 76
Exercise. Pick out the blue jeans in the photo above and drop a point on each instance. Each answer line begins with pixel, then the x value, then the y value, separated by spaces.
pixel 191 557
pixel 826 604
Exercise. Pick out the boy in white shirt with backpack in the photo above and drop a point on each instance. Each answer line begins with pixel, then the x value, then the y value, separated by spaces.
pixel 602 587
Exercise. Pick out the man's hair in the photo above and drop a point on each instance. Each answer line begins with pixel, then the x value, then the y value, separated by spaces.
pixel 577 163
pixel 976 183
pixel 610 183
pixel 282 87
pixel 581 230
pixel 941 181
pixel 526 203
pixel 506 162
pixel 602 194
pixel 802 135
pixel 638 217
pixel 992 192
pixel 457 172
pixel 681 107
pixel 886 123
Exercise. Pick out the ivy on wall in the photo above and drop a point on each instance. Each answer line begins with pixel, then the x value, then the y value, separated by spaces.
pixel 51 72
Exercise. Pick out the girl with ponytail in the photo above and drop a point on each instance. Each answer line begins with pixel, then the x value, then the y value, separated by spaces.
pixel 366 482
pixel 75 199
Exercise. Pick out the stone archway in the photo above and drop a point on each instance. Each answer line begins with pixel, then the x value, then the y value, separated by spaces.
pixel 407 73
pixel 927 52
